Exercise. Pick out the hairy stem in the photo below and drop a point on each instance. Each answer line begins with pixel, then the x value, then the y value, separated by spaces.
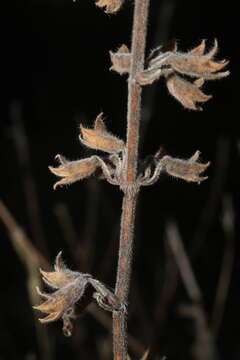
pixel 129 185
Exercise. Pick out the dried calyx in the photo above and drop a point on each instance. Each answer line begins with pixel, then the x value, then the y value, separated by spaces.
pixel 188 170
pixel 100 139
pixel 121 60
pixel 72 171
pixel 111 6
pixel 107 167
pixel 195 63
pixel 73 288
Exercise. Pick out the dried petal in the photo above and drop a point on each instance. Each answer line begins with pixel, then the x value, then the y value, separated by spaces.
pixel 121 60
pixel 185 92
pixel 189 170
pixel 112 6
pixel 72 171
pixel 99 139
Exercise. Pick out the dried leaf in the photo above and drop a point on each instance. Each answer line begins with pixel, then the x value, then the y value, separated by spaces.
pixel 121 60
pixel 189 170
pixel 72 171
pixel 111 6
pixel 100 139
pixel 185 92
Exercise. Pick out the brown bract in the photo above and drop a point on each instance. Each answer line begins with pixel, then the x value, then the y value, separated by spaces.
pixel 72 171
pixel 121 60
pixel 99 138
pixel 111 6
pixel 195 63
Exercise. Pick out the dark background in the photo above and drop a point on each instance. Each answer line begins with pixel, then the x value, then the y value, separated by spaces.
pixel 55 74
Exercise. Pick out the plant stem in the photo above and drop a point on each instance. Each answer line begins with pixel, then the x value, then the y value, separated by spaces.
pixel 130 186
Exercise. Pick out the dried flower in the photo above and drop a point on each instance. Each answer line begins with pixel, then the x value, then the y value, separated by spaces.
pixel 100 139
pixel 194 64
pixel 72 289
pixel 112 6
pixel 185 92
pixel 72 171
pixel 189 170
pixel 121 60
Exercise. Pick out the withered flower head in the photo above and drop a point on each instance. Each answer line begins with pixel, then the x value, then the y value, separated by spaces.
pixel 99 138
pixel 72 289
pixel 193 64
pixel 121 60
pixel 72 171
pixel 111 6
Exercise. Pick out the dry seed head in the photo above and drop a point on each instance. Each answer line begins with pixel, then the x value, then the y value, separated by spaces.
pixel 100 139
pixel 72 171
pixel 111 6
pixel 121 60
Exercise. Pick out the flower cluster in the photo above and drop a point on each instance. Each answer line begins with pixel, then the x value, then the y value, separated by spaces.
pixel 174 66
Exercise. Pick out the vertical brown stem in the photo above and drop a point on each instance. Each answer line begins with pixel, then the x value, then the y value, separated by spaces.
pixel 130 187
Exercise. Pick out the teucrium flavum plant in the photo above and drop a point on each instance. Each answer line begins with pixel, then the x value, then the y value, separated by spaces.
pixel 119 166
